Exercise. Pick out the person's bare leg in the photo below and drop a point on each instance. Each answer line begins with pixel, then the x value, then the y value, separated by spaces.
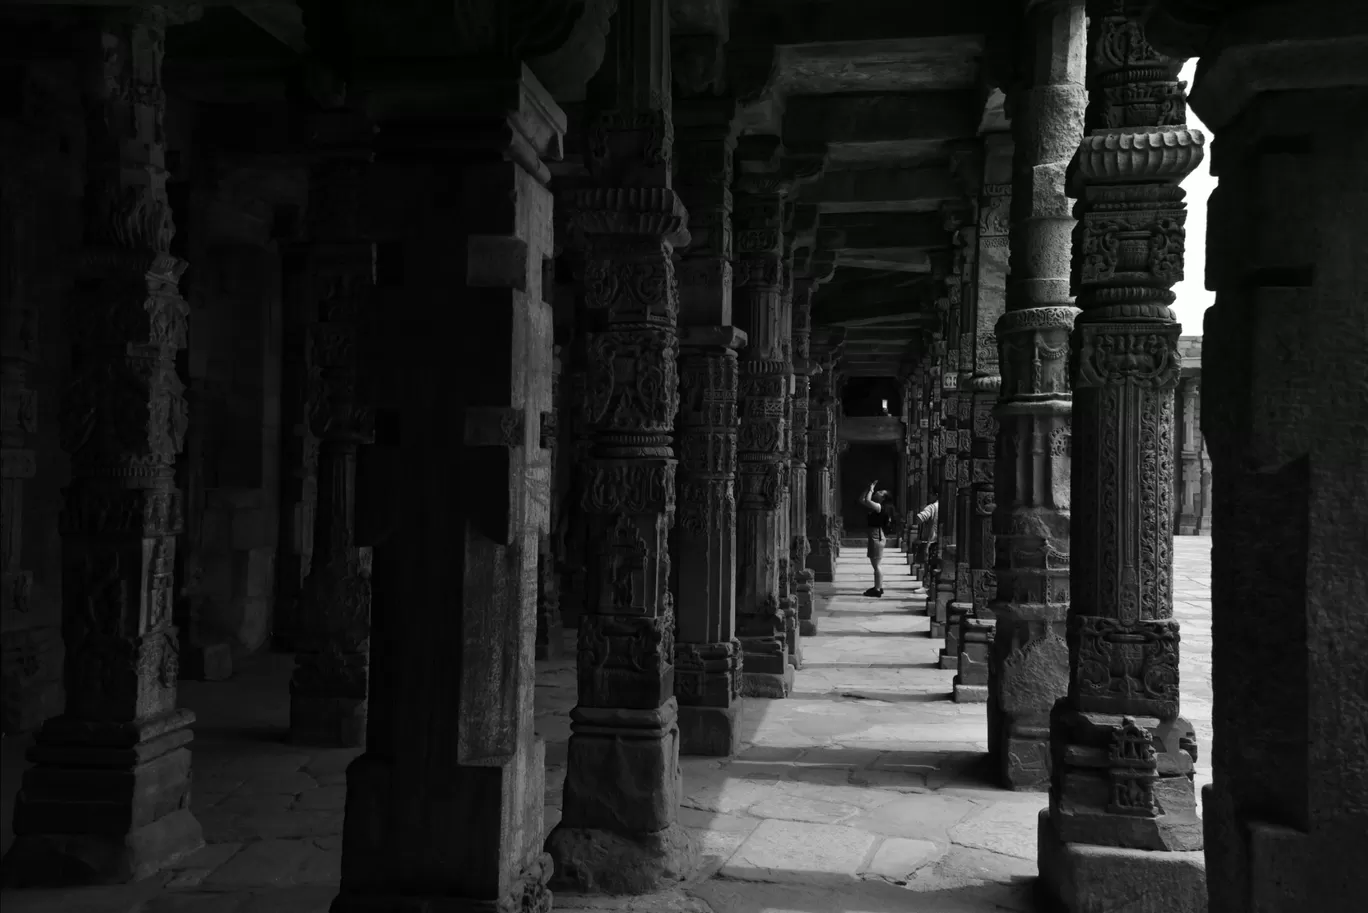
pixel 878 574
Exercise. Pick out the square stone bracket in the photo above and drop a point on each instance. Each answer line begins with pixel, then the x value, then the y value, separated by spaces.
pixel 1081 878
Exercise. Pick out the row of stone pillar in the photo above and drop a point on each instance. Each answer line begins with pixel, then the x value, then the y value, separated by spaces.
pixel 1076 654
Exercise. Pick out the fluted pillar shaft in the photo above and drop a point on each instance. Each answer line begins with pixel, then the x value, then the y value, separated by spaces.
pixel 1028 670
pixel 108 797
pixel 622 775
pixel 332 636
pixel 707 653
pixel 1123 757
pixel 763 438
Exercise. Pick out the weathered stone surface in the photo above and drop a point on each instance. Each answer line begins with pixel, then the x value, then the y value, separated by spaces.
pixel 601 861
pixel 1079 878
pixel 800 852
pixel 896 858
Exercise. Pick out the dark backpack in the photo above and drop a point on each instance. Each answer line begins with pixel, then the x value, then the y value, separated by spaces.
pixel 889 518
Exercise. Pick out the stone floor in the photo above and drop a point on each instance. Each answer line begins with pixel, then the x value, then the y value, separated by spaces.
pixel 864 792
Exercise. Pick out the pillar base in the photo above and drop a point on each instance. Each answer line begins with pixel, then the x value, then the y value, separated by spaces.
pixel 104 803
pixel 595 861
pixel 971 694
pixel 807 627
pixel 948 661
pixel 768 684
pixel 937 631
pixel 334 722
pixel 1026 764
pixel 1081 878
pixel 712 732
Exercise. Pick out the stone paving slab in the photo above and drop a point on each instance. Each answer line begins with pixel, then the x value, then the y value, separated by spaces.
pixel 864 792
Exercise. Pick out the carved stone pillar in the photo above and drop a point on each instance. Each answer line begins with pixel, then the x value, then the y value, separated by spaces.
pixel 965 230
pixel 1122 780
pixel 821 458
pixel 935 461
pixel 990 295
pixel 31 644
pixel 787 599
pixel 619 832
pixel 707 653
pixel 1190 458
pixel 942 589
pixel 762 441
pixel 1284 88
pixel 332 633
pixel 803 369
pixel 108 797
pixel 1028 671
pixel 550 628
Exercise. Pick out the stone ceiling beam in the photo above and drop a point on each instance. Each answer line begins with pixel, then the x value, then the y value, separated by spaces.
pixel 886 260
pixel 783 22
pixel 815 120
pixel 896 230
pixel 882 190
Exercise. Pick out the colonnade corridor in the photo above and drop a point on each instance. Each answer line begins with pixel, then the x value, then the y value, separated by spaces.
pixel 865 791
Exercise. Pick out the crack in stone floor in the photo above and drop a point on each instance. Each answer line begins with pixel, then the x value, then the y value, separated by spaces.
pixel 863 792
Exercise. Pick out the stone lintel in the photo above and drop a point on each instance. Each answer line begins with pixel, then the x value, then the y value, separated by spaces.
pixel 853 191
pixel 877 117
pixel 729 337
pixel 1277 49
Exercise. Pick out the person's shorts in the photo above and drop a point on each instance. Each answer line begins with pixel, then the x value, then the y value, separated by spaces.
pixel 876 545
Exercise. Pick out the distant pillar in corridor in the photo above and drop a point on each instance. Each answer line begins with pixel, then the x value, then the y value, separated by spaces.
pixel 1028 669
pixel 1284 88
pixel 1122 801
pixel 763 440
pixel 707 653
pixel 984 382
pixel 803 370
pixel 332 636
pixel 823 530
